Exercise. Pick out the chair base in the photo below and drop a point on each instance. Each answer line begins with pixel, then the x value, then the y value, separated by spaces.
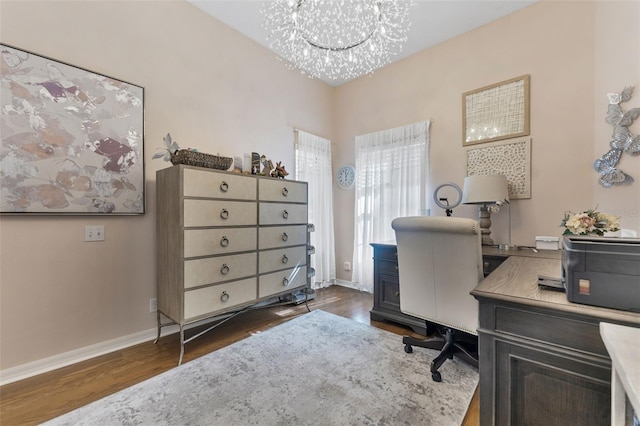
pixel 451 343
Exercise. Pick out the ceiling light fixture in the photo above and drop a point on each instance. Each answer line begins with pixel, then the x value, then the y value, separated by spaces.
pixel 337 39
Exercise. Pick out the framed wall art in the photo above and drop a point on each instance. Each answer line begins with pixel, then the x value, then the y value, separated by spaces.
pixel 512 159
pixel 496 112
pixel 72 139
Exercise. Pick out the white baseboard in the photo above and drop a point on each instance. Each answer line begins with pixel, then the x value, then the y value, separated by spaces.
pixel 34 368
pixel 45 365
pixel 352 284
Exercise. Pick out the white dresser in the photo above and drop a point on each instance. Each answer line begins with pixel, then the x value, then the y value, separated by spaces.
pixel 226 241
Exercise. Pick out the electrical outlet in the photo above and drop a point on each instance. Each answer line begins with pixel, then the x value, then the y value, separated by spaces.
pixel 153 305
pixel 347 266
pixel 94 233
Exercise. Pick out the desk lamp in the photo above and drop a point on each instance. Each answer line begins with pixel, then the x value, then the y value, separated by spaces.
pixel 489 192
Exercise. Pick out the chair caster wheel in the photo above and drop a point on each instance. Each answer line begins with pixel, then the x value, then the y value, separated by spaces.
pixel 436 376
pixel 408 349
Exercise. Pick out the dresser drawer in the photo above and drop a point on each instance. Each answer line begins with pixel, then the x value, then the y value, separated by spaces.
pixel 206 242
pixel 205 301
pixel 278 282
pixel 282 214
pixel 281 190
pixel 282 236
pixel 219 213
pixel 215 269
pixel 272 260
pixel 203 183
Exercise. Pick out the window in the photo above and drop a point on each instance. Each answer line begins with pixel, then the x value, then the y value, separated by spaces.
pixel 313 165
pixel 392 168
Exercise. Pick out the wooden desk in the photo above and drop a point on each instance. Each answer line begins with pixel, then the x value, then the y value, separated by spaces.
pixel 386 287
pixel 542 360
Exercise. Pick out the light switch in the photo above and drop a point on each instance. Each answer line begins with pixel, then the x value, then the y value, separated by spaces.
pixel 94 233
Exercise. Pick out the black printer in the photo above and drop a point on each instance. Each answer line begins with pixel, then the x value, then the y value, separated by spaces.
pixel 602 271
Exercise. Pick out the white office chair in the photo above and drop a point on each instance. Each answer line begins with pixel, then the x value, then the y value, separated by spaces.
pixel 440 262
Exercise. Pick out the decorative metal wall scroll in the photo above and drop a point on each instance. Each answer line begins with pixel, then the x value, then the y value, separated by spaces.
pixel 72 139
pixel 623 140
pixel 496 112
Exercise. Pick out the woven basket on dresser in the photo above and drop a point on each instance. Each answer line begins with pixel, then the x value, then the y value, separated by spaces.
pixel 199 159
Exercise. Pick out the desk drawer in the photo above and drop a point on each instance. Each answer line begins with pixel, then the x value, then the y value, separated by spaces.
pixel 574 334
pixel 386 267
pixel 385 253
pixel 490 263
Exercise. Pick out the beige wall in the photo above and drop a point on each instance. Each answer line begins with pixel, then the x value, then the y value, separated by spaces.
pixel 575 52
pixel 212 88
pixel 220 92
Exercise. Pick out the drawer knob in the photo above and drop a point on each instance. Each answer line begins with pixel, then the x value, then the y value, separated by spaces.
pixel 224 242
pixel 285 191
pixel 285 281
pixel 285 214
pixel 285 237
pixel 224 297
pixel 285 259
pixel 224 186
pixel 225 269
pixel 224 214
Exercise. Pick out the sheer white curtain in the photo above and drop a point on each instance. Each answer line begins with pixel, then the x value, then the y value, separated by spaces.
pixel 392 169
pixel 313 165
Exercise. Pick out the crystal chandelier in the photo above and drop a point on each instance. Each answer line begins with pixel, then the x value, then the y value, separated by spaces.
pixel 337 39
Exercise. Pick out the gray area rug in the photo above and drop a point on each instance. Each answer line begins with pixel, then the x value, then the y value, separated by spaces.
pixel 317 369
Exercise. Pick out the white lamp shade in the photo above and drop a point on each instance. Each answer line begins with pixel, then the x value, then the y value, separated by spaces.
pixel 480 189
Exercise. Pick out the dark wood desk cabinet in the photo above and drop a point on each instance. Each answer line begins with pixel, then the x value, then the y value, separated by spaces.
pixel 386 287
pixel 542 360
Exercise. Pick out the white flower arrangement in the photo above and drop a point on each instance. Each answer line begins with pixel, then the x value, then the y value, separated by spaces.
pixel 589 222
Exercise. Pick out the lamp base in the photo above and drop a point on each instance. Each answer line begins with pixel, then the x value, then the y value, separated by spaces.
pixel 484 219
pixel 508 247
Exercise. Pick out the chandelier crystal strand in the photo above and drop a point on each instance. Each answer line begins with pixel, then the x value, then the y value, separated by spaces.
pixel 337 38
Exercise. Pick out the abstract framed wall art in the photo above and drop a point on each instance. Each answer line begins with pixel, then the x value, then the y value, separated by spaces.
pixel 496 112
pixel 72 139
pixel 512 159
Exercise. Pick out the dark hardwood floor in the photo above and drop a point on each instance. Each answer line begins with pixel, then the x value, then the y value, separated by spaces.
pixel 37 399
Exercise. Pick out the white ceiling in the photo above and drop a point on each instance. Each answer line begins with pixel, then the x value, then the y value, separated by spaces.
pixel 432 21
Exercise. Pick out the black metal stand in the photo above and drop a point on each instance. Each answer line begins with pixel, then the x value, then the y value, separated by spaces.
pixel 452 342
pixel 219 320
